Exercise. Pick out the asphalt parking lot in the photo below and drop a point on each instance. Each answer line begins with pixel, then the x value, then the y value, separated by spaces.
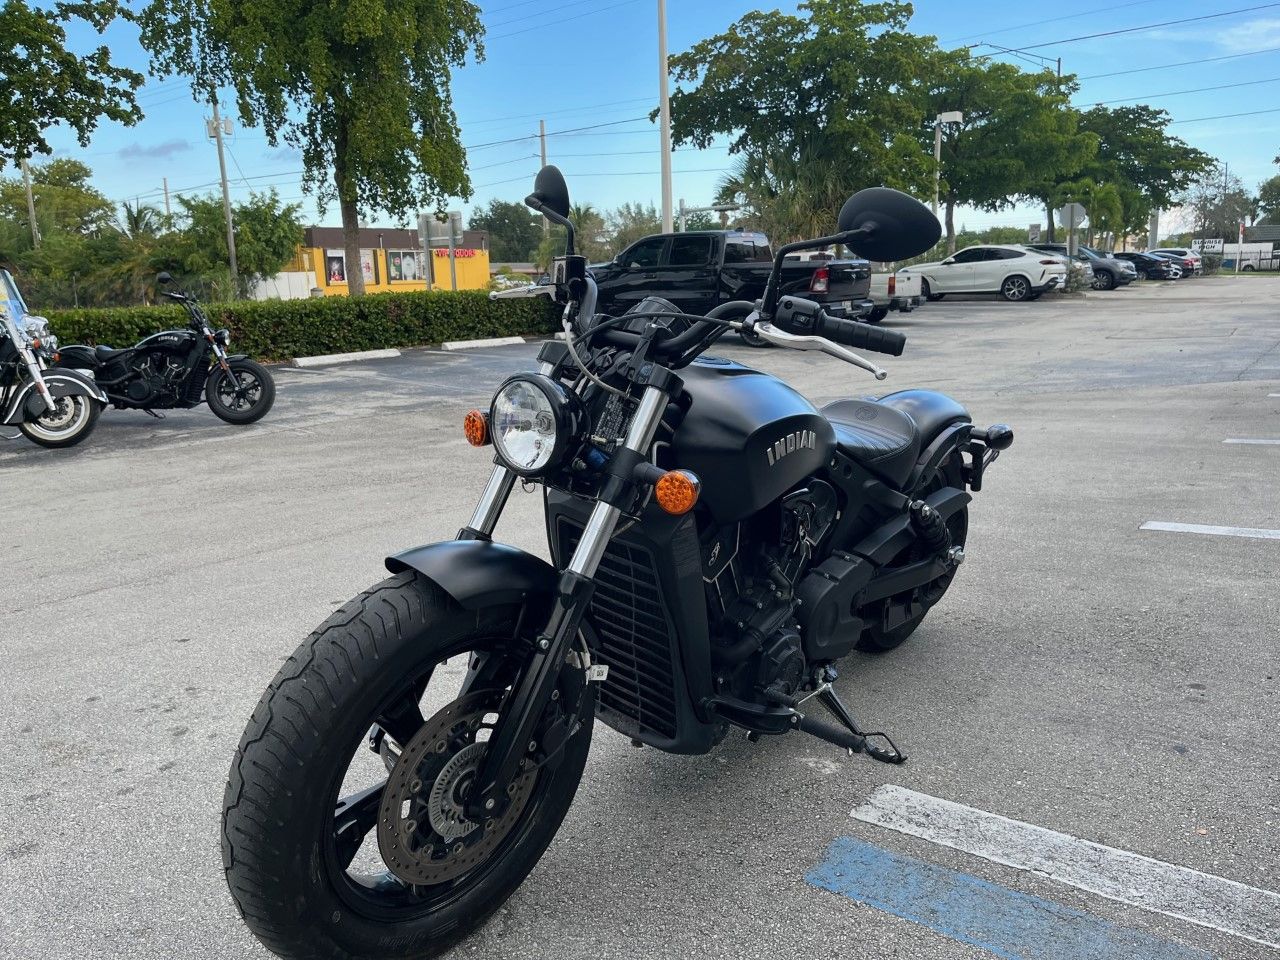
pixel 1084 675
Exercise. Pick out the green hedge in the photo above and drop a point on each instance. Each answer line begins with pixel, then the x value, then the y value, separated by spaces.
pixel 283 329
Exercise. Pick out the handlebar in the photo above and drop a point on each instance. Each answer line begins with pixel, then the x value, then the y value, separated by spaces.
pixel 850 333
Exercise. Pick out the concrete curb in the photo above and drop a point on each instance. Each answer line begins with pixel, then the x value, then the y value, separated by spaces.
pixel 329 358
pixel 491 342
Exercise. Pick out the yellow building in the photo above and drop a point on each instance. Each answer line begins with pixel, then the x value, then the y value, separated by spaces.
pixel 392 260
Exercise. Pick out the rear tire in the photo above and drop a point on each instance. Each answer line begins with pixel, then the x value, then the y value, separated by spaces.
pixel 927 294
pixel 260 392
pixel 73 421
pixel 876 638
pixel 278 842
pixel 877 314
pixel 1015 288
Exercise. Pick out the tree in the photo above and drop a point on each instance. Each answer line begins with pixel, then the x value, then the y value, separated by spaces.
pixel 64 199
pixel 1218 204
pixel 514 230
pixel 1269 199
pixel 629 223
pixel 702 220
pixel 43 84
pixel 1017 128
pixel 361 88
pixel 268 235
pixel 826 101
pixel 139 221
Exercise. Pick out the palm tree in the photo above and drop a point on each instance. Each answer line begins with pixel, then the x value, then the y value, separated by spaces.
pixel 139 220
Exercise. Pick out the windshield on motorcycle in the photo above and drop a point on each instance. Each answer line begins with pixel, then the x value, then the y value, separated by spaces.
pixel 12 307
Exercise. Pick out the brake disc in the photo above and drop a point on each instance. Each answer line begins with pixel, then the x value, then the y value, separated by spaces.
pixel 424 835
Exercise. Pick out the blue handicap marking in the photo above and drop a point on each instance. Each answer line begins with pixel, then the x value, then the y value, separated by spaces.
pixel 1010 924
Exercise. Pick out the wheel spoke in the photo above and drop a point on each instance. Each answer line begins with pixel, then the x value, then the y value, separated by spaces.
pixel 353 817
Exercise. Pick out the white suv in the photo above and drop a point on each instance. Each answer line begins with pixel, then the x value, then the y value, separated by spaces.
pixel 1015 273
pixel 1185 254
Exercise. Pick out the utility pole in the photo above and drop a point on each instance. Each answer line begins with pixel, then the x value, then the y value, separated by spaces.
pixel 168 212
pixel 31 205
pixel 665 110
pixel 226 198
pixel 542 138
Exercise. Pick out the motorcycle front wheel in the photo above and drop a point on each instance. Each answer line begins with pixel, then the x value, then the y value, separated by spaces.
pixel 243 394
pixel 72 421
pixel 344 834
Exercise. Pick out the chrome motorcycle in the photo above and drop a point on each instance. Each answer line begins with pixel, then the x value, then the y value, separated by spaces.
pixel 719 545
pixel 54 408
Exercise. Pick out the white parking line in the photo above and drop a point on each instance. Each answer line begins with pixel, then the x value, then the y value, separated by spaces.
pixel 1261 443
pixel 1253 533
pixel 1166 888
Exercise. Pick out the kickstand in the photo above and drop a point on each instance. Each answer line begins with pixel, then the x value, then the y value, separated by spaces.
pixel 150 412
pixel 847 735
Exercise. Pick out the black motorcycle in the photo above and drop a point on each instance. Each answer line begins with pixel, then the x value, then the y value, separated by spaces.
pixel 178 369
pixel 719 544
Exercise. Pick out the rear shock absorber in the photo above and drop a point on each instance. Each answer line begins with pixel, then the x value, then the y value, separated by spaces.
pixel 931 528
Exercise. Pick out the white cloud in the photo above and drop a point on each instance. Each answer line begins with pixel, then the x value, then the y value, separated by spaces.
pixel 1251 35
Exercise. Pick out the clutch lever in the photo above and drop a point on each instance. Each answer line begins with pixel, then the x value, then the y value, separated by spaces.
pixel 793 341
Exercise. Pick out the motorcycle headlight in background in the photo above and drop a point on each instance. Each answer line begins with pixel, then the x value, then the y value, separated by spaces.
pixel 534 421
pixel 223 337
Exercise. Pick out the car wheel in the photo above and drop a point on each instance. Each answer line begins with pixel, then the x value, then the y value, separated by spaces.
pixel 1248 268
pixel 1103 281
pixel 1016 288
pixel 928 294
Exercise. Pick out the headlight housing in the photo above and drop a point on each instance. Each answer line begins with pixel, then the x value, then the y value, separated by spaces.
pixel 534 422
pixel 223 337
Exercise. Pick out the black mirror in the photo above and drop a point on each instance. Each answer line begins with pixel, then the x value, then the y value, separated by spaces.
pixel 163 278
pixel 551 191
pixel 895 226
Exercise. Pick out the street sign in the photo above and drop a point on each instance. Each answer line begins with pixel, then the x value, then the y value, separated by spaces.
pixel 1033 233
pixel 1072 215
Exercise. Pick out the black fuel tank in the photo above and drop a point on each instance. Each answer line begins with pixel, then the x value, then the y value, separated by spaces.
pixel 748 436
pixel 170 341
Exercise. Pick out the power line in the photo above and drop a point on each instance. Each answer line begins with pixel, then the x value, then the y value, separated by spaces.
pixel 1226 116
pixel 562 20
pixel 1182 63
pixel 1150 26
pixel 1179 93
pixel 552 113
pixel 557 133
pixel 1070 16
pixel 540 13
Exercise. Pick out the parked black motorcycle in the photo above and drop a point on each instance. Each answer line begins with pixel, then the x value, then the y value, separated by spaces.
pixel 172 369
pixel 52 408
pixel 719 544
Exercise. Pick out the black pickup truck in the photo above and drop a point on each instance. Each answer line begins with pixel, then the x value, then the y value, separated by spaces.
pixel 699 269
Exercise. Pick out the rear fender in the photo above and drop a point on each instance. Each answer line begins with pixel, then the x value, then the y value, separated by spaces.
pixel 479 573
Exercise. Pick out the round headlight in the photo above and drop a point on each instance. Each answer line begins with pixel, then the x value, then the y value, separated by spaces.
pixel 533 420
pixel 223 337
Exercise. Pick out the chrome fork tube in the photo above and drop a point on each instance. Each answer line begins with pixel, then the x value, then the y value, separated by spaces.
pixel 33 370
pixel 497 490
pixel 604 517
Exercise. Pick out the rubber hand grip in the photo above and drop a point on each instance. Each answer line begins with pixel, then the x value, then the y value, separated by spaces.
pixel 861 336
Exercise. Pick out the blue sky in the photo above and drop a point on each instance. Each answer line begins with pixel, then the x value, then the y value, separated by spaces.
pixel 590 62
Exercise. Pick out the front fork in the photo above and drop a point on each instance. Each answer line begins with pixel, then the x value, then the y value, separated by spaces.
pixel 33 370
pixel 514 737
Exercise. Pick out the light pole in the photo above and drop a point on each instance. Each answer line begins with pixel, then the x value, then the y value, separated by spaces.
pixel 664 107
pixel 951 116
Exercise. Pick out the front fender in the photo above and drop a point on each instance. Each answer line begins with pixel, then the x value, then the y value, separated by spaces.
pixel 60 383
pixel 478 573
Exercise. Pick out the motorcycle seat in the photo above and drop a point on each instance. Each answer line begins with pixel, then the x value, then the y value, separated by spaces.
pixel 879 436
pixel 930 410
pixel 105 353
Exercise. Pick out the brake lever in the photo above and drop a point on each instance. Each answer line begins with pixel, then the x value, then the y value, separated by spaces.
pixel 792 341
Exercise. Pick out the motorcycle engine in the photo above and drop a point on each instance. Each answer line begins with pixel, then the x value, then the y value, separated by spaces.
pixel 157 381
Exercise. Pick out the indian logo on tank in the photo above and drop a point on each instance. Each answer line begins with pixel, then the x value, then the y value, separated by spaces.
pixel 800 440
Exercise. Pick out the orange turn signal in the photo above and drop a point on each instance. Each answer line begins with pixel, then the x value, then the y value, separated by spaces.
pixel 476 426
pixel 677 491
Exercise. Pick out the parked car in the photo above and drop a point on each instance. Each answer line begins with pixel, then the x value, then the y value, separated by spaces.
pixel 1183 266
pixel 898 290
pixel 1150 266
pixel 699 270
pixel 1108 273
pixel 1197 262
pixel 1016 273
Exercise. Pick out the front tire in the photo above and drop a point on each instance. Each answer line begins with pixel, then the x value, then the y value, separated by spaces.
pixel 286 848
pixel 243 394
pixel 927 292
pixel 71 423
pixel 1104 281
